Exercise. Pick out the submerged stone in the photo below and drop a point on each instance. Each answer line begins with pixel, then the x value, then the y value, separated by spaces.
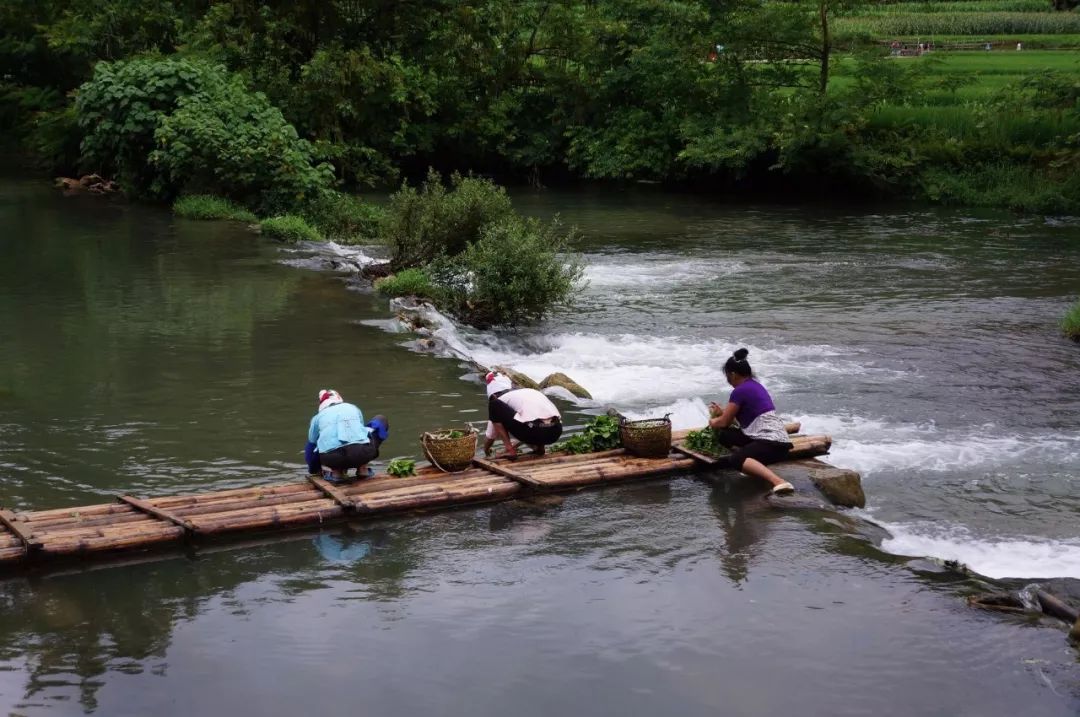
pixel 520 380
pixel 841 486
pixel 563 381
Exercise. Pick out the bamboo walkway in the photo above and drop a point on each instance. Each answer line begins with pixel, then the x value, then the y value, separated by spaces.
pixel 132 523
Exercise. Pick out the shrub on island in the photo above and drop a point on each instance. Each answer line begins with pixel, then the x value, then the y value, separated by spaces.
pixel 289 228
pixel 206 206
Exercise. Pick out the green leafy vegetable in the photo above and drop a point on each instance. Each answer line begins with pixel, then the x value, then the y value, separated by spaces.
pixel 704 441
pixel 400 467
pixel 600 434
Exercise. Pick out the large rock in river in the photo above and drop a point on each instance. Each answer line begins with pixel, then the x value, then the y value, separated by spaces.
pixel 840 485
pixel 520 380
pixel 563 381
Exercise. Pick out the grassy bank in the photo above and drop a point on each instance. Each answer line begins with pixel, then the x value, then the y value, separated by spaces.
pixel 1071 323
pixel 207 207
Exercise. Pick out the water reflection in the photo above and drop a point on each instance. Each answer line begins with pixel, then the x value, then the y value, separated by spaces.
pixel 551 589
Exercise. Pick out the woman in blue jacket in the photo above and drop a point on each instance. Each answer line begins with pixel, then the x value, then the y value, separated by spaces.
pixel 339 439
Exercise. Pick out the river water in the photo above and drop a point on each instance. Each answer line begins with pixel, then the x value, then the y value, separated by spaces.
pixel 145 354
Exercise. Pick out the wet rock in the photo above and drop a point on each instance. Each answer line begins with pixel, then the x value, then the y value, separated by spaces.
pixel 563 381
pixel 999 602
pixel 794 501
pixel 841 486
pixel 1074 633
pixel 519 379
pixel 88 180
pixel 67 183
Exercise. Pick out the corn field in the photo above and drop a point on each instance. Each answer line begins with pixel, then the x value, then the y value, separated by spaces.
pixel 959 23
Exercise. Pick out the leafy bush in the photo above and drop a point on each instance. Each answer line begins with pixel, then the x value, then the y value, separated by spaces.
pixel 514 274
pixel 407 282
pixel 162 125
pixel 433 222
pixel 345 218
pixel 228 140
pixel 205 206
pixel 290 228
pixel 1071 323
pixel 120 109
pixel 599 434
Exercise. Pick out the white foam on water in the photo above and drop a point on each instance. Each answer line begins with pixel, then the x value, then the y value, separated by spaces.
pixel 872 445
pixel 328 256
pixel 656 270
pixel 1014 557
pixel 629 370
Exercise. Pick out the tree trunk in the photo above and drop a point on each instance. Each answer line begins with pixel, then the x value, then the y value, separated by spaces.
pixel 826 46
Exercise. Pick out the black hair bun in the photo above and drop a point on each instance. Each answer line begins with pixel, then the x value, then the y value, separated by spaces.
pixel 741 354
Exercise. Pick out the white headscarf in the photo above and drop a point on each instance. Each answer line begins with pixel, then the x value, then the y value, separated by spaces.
pixel 329 397
pixel 497 383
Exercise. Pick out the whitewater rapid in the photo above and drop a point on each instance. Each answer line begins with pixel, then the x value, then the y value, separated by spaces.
pixel 636 343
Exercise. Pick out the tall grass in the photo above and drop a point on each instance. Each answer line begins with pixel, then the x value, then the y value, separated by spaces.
pixel 1070 324
pixel 205 206
pixel 1020 187
pixel 290 228
pixel 939 6
pixel 961 23
pixel 985 125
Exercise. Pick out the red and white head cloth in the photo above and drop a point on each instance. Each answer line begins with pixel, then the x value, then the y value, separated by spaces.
pixel 497 383
pixel 328 397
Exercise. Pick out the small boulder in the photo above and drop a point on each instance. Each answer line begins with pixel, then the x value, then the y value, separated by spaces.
pixel 1074 633
pixel 841 486
pixel 87 179
pixel 519 379
pixel 67 183
pixel 563 381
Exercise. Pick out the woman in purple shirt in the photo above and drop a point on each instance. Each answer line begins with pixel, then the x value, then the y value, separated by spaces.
pixel 760 438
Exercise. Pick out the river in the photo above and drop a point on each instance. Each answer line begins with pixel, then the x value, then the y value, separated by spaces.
pixel 145 354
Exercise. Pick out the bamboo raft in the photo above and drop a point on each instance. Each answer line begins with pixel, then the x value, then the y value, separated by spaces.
pixel 132 523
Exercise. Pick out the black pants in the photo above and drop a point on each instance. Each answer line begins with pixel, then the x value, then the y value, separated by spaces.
pixel 353 455
pixel 743 446
pixel 532 433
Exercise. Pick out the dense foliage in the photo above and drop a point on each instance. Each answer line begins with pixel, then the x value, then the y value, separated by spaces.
pixel 267 103
pixel 465 247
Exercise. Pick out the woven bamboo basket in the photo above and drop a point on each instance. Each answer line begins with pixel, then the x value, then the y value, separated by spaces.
pixel 449 454
pixel 648 438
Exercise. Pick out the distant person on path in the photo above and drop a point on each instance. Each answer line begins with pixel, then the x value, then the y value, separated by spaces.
pixel 760 438
pixel 524 413
pixel 339 439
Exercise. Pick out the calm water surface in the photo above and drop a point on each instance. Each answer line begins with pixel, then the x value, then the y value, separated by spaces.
pixel 141 353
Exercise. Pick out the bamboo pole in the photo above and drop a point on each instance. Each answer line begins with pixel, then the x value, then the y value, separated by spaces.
pixel 330 511
pixel 243 504
pixel 90 545
pixel 12 555
pixel 602 475
pixel 18 529
pixel 63 532
pixel 85 510
pixel 156 512
pixel 244 513
pixel 148 526
pixel 331 492
pixel 190 499
pixel 45 526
